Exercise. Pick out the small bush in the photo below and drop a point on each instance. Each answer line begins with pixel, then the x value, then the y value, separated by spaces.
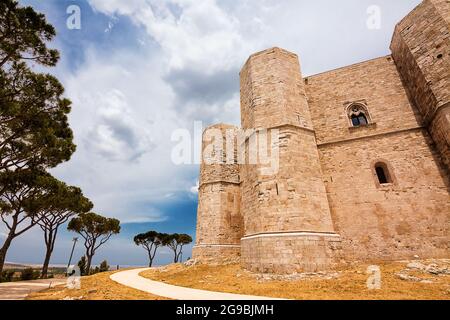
pixel 7 276
pixel 94 271
pixel 29 274
pixel 82 265
pixel 104 266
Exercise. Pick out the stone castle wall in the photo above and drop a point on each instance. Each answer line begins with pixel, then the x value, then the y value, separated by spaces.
pixel 219 218
pixel 325 203
pixel 421 49
pixel 410 216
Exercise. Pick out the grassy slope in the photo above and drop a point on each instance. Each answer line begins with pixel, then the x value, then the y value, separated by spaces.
pixel 350 283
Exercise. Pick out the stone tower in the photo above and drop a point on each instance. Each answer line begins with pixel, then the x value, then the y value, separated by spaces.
pixel 420 48
pixel 287 219
pixel 219 220
pixel 362 156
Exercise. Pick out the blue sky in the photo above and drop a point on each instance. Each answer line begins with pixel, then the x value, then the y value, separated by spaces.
pixel 139 69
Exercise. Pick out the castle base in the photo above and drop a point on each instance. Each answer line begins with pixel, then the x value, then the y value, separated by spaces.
pixel 217 254
pixel 293 252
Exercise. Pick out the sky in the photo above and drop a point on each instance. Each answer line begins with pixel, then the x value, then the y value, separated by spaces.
pixel 137 70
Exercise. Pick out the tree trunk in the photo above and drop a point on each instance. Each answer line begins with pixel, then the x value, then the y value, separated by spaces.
pixel 179 254
pixel 88 264
pixel 50 238
pixel 4 250
pixel 150 259
pixel 48 254
pixel 152 256
pixel 175 259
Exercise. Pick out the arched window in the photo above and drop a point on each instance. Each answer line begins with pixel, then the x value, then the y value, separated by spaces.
pixel 382 172
pixel 358 115
pixel 359 120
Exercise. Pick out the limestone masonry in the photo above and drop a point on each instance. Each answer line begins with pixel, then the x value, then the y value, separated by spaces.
pixel 363 159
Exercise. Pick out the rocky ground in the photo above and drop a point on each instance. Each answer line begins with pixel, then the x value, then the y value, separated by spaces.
pixel 414 279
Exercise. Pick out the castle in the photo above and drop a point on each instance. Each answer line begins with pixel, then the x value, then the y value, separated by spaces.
pixel 363 159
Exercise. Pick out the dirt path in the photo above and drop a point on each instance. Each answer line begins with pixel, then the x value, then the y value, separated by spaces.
pixel 131 278
pixel 19 290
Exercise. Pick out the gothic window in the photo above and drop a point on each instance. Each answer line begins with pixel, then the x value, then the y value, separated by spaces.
pixel 358 115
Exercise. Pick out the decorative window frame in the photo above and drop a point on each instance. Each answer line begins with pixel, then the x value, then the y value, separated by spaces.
pixel 349 111
pixel 388 171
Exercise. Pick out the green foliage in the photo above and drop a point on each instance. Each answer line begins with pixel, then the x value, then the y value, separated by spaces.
pixel 104 266
pixel 95 230
pixel 93 225
pixel 94 270
pixel 24 34
pixel 82 265
pixel 150 241
pixel 29 274
pixel 176 242
pixel 34 130
pixel 151 237
pixel 7 276
pixel 64 202
pixel 27 191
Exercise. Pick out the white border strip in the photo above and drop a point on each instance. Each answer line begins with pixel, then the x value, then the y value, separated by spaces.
pixel 290 234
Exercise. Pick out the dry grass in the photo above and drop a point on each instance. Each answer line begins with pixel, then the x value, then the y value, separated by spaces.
pixel 349 284
pixel 96 287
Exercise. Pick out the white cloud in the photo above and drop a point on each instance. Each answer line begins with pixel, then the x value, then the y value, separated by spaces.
pixel 123 116
pixel 118 135
pixel 145 219
pixel 198 35
pixel 194 189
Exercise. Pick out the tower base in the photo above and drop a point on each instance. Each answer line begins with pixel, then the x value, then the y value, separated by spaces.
pixel 217 253
pixel 291 252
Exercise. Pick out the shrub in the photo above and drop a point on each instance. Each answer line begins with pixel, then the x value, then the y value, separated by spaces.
pixel 29 274
pixel 82 265
pixel 7 276
pixel 104 266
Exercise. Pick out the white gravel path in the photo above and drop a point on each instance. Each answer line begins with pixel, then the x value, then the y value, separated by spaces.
pixel 131 278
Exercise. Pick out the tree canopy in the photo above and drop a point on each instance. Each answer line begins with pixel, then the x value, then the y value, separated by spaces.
pixel 150 241
pixel 24 34
pixel 34 130
pixel 25 198
pixel 66 202
pixel 176 242
pixel 95 230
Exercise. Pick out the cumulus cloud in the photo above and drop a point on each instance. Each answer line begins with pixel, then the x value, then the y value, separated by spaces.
pixel 202 49
pixel 194 189
pixel 123 116
pixel 183 66
pixel 117 135
pixel 195 34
